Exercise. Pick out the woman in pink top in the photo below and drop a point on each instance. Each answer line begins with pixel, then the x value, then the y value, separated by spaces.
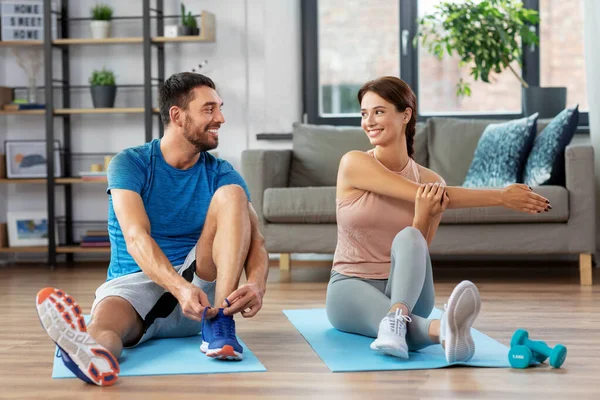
pixel 388 210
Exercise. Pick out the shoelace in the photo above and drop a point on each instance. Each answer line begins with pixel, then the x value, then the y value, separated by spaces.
pixel 398 322
pixel 224 327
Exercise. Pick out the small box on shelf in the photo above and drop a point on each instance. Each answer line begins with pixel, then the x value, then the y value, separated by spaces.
pixel 6 95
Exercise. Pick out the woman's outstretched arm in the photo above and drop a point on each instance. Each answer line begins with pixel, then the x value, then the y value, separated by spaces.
pixel 360 171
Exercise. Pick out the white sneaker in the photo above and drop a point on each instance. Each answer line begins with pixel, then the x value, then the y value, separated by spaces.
pixel 455 327
pixel 391 338
pixel 62 319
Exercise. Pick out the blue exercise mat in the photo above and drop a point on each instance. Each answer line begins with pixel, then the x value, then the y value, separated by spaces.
pixel 178 356
pixel 346 352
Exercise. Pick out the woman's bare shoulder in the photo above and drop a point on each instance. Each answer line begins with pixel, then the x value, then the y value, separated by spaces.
pixel 428 175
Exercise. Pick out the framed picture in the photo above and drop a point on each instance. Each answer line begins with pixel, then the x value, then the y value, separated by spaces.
pixel 27 159
pixel 27 228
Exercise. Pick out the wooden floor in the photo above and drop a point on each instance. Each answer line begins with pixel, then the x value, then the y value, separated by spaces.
pixel 547 300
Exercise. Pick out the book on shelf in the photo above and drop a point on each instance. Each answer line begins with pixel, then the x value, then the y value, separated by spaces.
pixel 23 106
pixel 92 176
pixel 94 244
pixel 95 238
pixel 99 232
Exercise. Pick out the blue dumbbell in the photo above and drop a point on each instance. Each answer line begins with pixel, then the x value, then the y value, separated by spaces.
pixel 521 357
pixel 557 354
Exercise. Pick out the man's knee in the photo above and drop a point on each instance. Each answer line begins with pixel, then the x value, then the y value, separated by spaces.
pixel 115 315
pixel 230 193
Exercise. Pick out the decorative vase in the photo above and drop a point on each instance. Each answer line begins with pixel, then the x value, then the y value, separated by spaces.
pixel 189 31
pixel 32 91
pixel 100 29
pixel 103 96
pixel 547 101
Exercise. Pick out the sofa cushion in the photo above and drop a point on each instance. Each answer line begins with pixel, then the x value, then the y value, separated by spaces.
pixel 308 205
pixel 546 162
pixel 557 195
pixel 501 153
pixel 318 149
pixel 451 144
pixel 316 205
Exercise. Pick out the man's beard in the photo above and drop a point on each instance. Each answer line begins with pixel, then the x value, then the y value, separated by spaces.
pixel 199 136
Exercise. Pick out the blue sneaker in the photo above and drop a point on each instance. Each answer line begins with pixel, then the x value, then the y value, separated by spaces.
pixel 218 338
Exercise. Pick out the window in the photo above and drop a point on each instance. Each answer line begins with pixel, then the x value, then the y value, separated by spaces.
pixel 561 49
pixel 438 78
pixel 356 43
pixel 346 43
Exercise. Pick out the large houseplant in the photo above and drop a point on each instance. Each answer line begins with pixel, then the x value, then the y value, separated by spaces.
pixel 489 36
pixel 101 21
pixel 103 88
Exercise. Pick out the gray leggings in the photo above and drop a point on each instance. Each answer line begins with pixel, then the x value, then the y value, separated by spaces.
pixel 358 305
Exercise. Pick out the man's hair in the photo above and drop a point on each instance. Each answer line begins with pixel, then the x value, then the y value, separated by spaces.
pixel 177 91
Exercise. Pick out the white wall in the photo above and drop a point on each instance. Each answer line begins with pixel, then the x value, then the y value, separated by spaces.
pixel 255 63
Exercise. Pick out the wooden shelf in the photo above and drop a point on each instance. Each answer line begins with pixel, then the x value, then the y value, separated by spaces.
pixel 73 41
pixel 66 111
pixel 25 180
pixel 19 43
pixel 23 112
pixel 79 180
pixel 207 32
pixel 120 110
pixel 56 180
pixel 32 249
pixel 59 249
pixel 79 249
pixel 164 39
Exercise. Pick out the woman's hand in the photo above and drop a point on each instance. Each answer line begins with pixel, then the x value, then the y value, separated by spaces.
pixel 431 200
pixel 521 197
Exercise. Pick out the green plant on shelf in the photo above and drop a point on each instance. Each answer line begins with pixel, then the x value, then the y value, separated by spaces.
pixel 103 77
pixel 102 12
pixel 187 19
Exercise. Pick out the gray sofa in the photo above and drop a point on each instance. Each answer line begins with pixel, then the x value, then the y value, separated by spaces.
pixel 293 192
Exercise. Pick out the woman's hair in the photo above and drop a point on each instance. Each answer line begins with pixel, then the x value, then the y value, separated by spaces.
pixel 397 92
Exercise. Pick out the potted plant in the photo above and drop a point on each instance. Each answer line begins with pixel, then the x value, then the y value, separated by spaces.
pixel 189 26
pixel 103 88
pixel 489 36
pixel 101 21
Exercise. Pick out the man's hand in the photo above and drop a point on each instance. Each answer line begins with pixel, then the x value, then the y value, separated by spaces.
pixel 193 301
pixel 247 299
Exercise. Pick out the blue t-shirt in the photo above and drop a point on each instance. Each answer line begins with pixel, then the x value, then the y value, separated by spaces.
pixel 176 201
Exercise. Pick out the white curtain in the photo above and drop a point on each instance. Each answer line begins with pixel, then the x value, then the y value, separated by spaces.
pixel 592 65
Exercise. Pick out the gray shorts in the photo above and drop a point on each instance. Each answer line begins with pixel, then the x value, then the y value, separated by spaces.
pixel 158 308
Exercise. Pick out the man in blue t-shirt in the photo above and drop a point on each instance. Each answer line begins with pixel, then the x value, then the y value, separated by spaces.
pixel 182 231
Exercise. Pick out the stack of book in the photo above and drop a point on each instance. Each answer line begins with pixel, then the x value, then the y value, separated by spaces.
pixel 95 239
pixel 23 107
pixel 93 176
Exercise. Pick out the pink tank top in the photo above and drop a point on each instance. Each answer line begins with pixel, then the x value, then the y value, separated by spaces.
pixel 367 224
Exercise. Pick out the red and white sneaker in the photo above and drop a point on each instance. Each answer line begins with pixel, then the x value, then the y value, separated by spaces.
pixel 61 317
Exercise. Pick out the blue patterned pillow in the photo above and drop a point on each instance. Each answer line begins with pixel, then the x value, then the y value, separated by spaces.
pixel 501 153
pixel 546 162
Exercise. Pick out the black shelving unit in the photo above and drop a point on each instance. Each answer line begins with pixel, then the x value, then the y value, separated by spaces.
pixel 50 47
